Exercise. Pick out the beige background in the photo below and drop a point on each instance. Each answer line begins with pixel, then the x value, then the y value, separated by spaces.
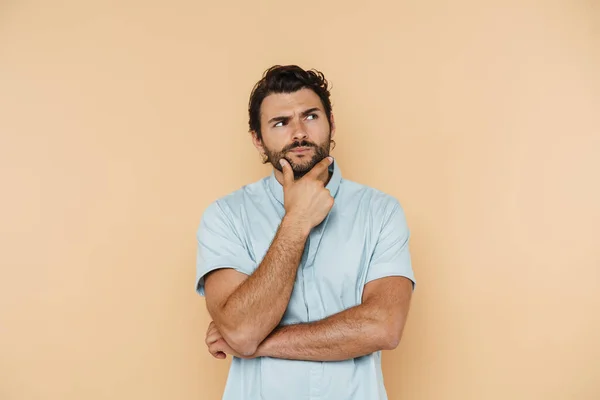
pixel 120 123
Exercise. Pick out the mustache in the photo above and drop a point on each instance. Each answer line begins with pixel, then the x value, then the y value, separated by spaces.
pixel 303 143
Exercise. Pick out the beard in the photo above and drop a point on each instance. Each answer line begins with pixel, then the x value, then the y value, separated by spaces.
pixel 306 164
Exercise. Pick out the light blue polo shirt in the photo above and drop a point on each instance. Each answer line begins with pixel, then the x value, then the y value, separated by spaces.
pixel 364 237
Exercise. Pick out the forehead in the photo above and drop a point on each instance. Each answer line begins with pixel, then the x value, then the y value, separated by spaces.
pixel 280 104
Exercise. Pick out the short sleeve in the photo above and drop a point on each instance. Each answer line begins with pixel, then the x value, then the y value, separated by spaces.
pixel 391 256
pixel 219 246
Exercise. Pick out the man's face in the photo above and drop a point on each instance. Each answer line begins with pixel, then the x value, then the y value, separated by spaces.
pixel 294 126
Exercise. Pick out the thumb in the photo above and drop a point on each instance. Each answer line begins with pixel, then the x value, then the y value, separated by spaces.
pixel 288 174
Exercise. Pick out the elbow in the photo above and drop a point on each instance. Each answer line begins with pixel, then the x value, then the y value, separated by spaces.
pixel 390 336
pixel 391 342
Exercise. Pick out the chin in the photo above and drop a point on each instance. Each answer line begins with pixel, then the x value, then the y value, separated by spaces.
pixel 303 167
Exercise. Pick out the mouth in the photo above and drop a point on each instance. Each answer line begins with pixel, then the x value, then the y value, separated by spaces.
pixel 299 150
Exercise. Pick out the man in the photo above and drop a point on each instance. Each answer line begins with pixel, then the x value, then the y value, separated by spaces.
pixel 307 276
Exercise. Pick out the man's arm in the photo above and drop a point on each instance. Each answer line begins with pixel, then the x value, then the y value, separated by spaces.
pixel 245 308
pixel 374 325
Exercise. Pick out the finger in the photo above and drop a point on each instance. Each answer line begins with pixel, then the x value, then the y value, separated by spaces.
pixel 288 174
pixel 213 337
pixel 320 168
pixel 214 350
pixel 210 331
pixel 218 354
pixel 324 176
pixel 218 350
pixel 211 334
pixel 210 327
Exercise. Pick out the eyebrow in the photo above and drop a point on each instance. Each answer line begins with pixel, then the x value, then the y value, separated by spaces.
pixel 285 118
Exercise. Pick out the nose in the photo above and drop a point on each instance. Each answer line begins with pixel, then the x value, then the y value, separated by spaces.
pixel 299 132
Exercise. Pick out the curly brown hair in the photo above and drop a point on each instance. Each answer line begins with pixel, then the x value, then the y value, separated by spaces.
pixel 286 79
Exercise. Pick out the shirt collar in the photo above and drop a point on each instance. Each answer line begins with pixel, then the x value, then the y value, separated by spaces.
pixel 333 185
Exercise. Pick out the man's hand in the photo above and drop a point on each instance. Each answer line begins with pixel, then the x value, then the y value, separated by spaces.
pixel 217 346
pixel 307 200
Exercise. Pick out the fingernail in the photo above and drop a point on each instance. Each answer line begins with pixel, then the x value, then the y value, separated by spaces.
pixel 330 158
pixel 282 162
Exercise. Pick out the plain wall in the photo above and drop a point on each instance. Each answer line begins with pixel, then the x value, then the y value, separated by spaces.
pixel 121 121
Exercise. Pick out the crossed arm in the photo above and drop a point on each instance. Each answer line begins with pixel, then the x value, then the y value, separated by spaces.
pixel 246 309
pixel 376 324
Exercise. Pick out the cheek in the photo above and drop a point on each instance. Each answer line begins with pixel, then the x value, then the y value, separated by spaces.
pixel 319 132
pixel 274 143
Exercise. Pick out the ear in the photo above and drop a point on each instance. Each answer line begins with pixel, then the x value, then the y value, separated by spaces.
pixel 257 142
pixel 332 126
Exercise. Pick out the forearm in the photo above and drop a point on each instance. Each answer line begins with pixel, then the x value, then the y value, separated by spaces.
pixel 256 307
pixel 355 332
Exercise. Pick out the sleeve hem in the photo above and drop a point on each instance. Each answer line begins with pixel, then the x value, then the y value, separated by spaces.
pixel 388 273
pixel 200 278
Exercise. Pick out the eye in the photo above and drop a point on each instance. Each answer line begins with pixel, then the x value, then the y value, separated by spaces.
pixel 312 116
pixel 278 124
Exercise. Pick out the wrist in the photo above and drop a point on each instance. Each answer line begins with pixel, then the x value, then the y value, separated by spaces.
pixel 297 224
pixel 261 350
